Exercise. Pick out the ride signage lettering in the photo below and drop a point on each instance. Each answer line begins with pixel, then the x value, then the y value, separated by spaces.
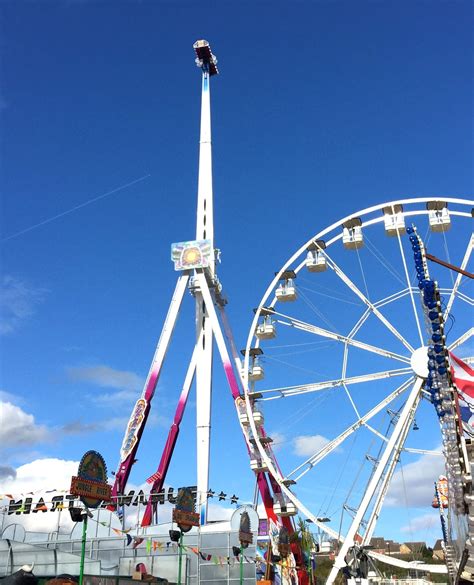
pixel 90 489
pixel 61 502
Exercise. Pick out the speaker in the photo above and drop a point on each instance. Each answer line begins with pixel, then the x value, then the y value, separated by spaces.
pixel 175 535
pixel 76 514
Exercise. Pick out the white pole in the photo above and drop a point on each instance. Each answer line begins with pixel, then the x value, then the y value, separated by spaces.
pixel 204 231
pixel 393 444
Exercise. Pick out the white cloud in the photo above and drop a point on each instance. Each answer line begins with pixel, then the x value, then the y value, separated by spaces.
pixel 106 377
pixel 413 485
pixel 39 476
pixel 18 301
pixel 422 523
pixel 19 428
pixel 307 445
pixel 115 398
pixel 216 512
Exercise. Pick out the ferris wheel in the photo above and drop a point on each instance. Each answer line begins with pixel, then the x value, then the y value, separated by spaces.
pixel 336 365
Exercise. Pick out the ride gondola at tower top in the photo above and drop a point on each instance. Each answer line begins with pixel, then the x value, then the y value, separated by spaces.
pixel 205 58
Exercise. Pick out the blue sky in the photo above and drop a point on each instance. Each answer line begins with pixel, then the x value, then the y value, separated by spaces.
pixel 321 108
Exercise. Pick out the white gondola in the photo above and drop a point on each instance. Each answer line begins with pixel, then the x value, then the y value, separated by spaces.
pixel 315 259
pixel 257 415
pixel 257 465
pixel 438 216
pixel 244 419
pixel 242 411
pixel 286 290
pixel 285 510
pixel 266 329
pixel 394 220
pixel 256 371
pixel 352 234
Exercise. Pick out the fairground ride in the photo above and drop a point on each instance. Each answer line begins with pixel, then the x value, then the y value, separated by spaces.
pixel 196 263
pixel 354 352
pixel 354 375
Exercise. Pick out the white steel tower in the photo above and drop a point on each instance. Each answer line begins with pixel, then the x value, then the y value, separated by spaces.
pixel 206 61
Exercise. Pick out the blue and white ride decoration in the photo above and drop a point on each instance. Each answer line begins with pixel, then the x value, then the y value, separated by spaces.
pixel 439 383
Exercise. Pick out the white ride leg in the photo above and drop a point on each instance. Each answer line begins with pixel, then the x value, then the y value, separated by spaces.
pixel 392 445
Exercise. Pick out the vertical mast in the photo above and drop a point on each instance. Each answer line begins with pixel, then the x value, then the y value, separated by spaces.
pixel 206 61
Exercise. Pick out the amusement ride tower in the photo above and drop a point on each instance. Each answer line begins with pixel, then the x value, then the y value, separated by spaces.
pixel 190 257
pixel 206 61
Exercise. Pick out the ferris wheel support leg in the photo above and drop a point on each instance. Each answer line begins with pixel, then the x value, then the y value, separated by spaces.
pixel 383 488
pixel 393 444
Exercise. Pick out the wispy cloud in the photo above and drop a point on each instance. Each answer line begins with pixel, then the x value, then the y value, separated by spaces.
pixel 18 301
pixel 115 398
pixel 422 523
pixel 20 429
pixel 77 427
pixel 106 377
pixel 118 423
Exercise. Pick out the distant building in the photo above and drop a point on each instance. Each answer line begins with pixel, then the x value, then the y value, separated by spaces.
pixel 412 548
pixel 392 547
pixel 438 551
pixel 386 547
pixel 378 544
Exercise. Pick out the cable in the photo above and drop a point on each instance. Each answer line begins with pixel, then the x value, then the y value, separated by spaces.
pixel 382 259
pixel 363 274
pixel 317 311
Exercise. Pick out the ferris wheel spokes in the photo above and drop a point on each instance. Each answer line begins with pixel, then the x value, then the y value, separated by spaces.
pixel 378 304
pixel 352 286
pixel 312 461
pixel 300 389
pixel 339 351
pixel 460 340
pixel 298 324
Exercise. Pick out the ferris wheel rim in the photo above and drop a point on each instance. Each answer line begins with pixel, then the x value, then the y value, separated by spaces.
pixel 274 470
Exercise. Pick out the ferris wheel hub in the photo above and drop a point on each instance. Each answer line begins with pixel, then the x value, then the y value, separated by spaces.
pixel 419 362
